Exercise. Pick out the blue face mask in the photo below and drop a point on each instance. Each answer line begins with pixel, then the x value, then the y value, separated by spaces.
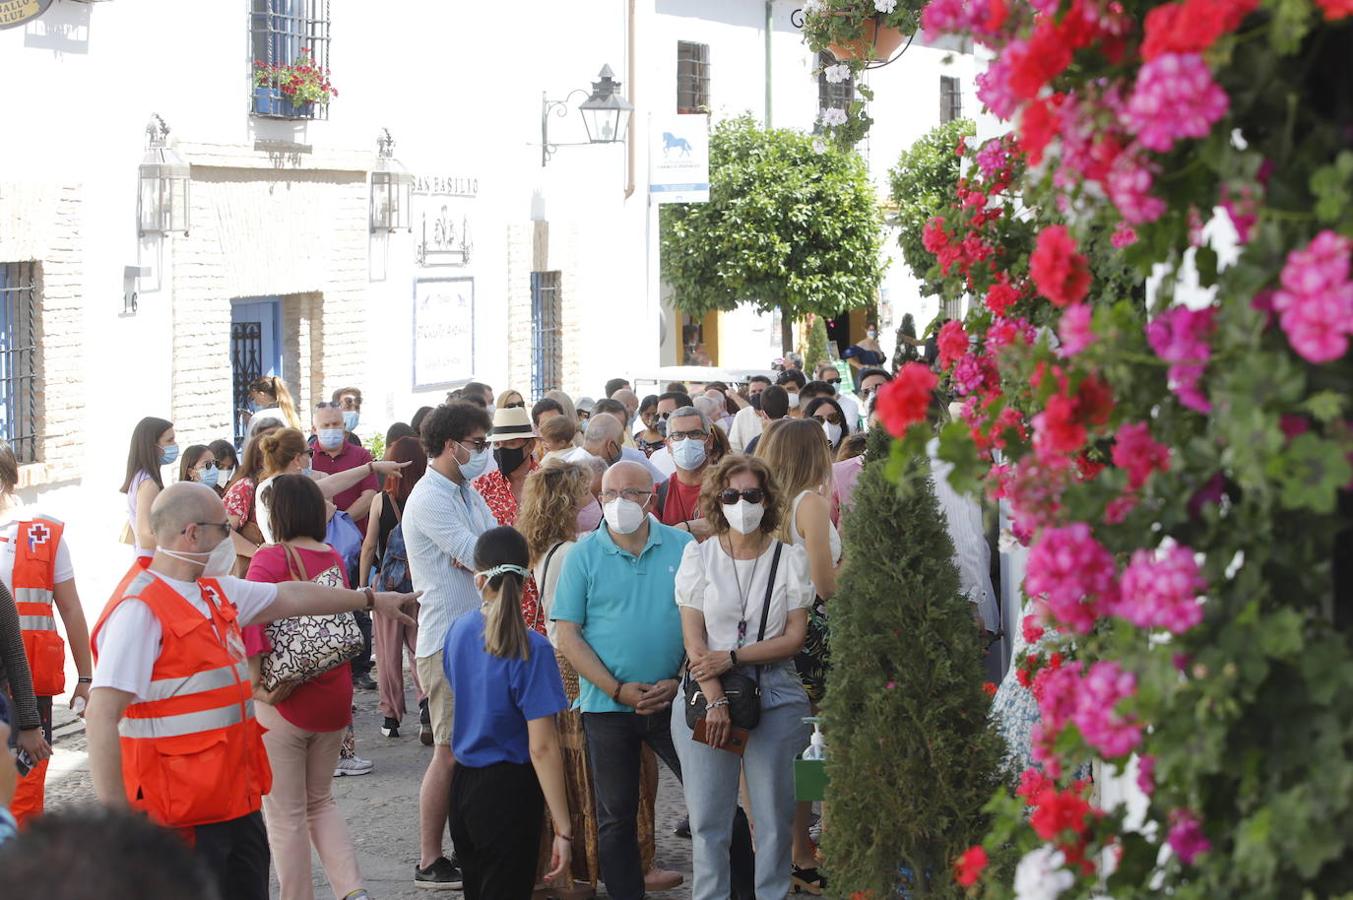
pixel 308 471
pixel 350 419
pixel 169 454
pixel 476 465
pixel 330 438
pixel 689 453
pixel 210 476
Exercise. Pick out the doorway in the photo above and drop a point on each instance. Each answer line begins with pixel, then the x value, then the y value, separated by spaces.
pixel 255 351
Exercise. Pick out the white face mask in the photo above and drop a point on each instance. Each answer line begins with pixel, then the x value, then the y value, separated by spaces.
pixel 219 560
pixel 623 516
pixel 744 517
pixel 224 477
pixel 793 401
pixel 833 431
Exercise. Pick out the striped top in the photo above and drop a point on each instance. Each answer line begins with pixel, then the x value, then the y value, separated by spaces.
pixel 442 523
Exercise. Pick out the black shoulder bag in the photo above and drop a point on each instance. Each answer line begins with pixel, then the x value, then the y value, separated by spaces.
pixel 743 693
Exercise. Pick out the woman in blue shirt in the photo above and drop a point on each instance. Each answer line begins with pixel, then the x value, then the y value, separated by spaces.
pixel 508 765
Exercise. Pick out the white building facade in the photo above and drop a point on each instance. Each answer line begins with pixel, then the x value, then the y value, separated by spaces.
pixel 515 273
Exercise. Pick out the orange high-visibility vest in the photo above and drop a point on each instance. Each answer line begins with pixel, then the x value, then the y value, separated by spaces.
pixel 192 752
pixel 34 574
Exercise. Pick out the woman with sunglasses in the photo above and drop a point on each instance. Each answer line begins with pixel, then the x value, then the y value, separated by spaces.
pixel 510 399
pixel 198 464
pixel 831 418
pixel 726 587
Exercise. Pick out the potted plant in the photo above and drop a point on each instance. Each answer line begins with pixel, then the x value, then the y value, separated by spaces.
pixel 860 31
pixel 291 90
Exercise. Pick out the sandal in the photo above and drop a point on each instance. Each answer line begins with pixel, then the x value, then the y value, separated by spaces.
pixel 808 881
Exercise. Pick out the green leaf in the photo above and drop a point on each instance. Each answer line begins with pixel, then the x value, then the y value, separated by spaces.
pixel 1311 472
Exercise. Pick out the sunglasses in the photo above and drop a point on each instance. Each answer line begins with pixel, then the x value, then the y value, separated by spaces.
pixel 520 405
pixel 729 496
pixel 832 380
pixel 831 417
pixel 476 446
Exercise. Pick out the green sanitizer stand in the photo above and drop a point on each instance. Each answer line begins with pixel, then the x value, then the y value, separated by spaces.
pixel 810 770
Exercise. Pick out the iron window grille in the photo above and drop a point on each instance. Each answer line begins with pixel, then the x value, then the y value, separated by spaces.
pixel 246 362
pixel 692 77
pixel 280 32
pixel 951 99
pixel 18 359
pixel 547 345
pixel 831 95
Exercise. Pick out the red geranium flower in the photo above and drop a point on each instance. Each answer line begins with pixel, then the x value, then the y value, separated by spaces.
pixel 970 866
pixel 1059 272
pixel 953 343
pixel 903 401
pixel 1058 812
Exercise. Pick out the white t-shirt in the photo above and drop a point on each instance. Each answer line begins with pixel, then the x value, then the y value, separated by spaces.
pixel 730 591
pixel 747 424
pixel 663 462
pixel 851 407
pixel 833 536
pixel 547 581
pixel 129 642
pixel 8 535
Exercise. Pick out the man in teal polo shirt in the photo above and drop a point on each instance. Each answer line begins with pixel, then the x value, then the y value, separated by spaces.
pixel 618 624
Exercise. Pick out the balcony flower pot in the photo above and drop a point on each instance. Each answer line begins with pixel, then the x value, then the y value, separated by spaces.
pixel 269 101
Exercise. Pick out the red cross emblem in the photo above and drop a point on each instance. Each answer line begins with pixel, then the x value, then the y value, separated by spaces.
pixel 37 535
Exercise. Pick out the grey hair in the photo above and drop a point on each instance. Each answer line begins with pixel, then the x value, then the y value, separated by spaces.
pixel 687 411
pixel 603 428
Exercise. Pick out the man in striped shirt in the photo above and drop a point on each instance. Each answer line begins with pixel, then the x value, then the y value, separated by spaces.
pixel 443 520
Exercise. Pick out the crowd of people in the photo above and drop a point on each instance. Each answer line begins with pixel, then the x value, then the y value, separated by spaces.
pixel 583 588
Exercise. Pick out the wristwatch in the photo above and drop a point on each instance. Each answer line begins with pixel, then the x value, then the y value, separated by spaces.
pixel 619 686
pixel 733 657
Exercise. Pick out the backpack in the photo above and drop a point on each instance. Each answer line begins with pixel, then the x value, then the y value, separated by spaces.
pixel 393 574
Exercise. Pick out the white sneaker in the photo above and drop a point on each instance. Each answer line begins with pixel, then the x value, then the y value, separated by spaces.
pixel 353 766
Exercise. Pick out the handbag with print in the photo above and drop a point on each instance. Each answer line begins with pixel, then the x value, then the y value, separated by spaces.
pixel 305 647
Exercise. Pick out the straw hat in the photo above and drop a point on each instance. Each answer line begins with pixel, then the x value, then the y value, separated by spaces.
pixel 510 424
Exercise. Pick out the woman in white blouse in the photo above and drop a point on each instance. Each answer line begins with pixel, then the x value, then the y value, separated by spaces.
pixel 721 587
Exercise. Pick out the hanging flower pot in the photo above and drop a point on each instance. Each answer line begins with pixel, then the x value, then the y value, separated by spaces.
pixel 878 43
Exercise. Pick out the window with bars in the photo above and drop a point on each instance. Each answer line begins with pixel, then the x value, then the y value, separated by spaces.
pixel 692 77
pixel 833 95
pixel 286 33
pixel 951 99
pixel 547 342
pixel 18 359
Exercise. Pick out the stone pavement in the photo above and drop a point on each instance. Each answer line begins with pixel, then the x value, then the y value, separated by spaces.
pixel 381 808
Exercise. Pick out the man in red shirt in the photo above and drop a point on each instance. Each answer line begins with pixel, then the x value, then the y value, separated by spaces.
pixel 333 453
pixel 689 440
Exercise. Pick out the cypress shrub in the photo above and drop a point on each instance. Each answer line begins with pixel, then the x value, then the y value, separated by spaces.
pixel 912 758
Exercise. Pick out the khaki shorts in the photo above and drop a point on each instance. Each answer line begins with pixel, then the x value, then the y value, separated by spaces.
pixel 441 702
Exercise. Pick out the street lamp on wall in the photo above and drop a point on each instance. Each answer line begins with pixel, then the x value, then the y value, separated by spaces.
pixel 605 112
pixel 162 204
pixel 391 189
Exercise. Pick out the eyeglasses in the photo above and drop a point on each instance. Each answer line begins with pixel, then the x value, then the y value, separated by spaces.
pixel 634 495
pixel 476 446
pixel 224 526
pixel 729 496
pixel 684 435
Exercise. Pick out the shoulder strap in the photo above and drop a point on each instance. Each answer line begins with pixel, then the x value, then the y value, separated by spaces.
pixel 770 589
pixel 294 567
pixel 394 506
pixel 545 569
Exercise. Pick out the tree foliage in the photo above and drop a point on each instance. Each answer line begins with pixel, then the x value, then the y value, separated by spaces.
pixel 912 757
pixel 923 183
pixel 791 224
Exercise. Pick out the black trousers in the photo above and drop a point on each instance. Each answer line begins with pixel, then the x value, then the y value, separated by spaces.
pixel 613 745
pixel 236 854
pixel 496 818
pixel 362 664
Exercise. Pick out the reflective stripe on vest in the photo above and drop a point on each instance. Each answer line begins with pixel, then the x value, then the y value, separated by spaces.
pixel 32 595
pixel 198 683
pixel 186 723
pixel 37 623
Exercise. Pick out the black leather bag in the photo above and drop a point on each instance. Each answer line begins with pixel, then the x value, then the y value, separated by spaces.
pixel 742 691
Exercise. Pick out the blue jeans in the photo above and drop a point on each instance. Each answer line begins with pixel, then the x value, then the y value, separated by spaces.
pixel 711 787
pixel 613 744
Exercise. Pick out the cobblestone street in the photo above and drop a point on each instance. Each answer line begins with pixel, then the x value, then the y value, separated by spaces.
pixel 381 808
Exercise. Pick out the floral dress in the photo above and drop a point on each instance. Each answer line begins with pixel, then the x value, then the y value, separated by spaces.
pixel 497 493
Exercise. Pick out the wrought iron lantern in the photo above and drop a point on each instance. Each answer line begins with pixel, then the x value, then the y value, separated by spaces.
pixel 163 204
pixel 391 189
pixel 605 112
